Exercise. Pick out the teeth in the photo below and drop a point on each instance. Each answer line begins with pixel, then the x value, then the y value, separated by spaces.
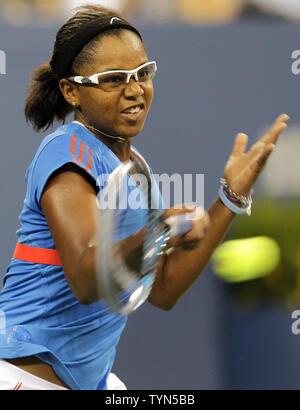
pixel 133 110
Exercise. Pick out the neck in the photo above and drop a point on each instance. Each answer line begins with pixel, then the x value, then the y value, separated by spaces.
pixel 120 146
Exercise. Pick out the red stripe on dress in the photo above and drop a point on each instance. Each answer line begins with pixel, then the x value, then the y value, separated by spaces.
pixel 17 386
pixel 36 255
pixel 81 152
pixel 90 161
pixel 73 148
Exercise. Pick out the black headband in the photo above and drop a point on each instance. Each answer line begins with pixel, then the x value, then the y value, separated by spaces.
pixel 62 62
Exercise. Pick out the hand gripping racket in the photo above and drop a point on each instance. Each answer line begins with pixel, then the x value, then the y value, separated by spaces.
pixel 125 263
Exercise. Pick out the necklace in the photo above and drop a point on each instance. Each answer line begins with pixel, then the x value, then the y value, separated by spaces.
pixel 90 127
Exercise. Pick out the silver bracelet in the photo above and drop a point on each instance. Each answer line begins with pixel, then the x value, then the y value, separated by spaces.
pixel 244 201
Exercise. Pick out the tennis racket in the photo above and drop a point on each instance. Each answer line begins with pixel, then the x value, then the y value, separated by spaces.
pixel 132 234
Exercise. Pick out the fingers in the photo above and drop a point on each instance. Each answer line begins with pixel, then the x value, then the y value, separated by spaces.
pixel 263 152
pixel 271 137
pixel 265 155
pixel 200 226
pixel 179 209
pixel 244 168
pixel 279 125
pixel 240 144
pixel 256 148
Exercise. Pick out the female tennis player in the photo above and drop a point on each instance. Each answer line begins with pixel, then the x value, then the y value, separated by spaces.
pixel 58 333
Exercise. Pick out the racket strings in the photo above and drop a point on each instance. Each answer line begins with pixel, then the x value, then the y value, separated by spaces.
pixel 127 266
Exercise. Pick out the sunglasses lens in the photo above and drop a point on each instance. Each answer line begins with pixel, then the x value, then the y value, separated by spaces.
pixel 146 73
pixel 112 82
pixel 117 80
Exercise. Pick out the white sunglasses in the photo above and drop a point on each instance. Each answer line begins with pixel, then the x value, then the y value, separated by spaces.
pixel 118 79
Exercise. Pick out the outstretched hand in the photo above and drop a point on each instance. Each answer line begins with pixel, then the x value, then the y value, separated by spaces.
pixel 244 167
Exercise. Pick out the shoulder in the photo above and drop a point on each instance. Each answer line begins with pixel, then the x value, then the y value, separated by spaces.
pixel 68 144
pixel 68 148
pixel 67 138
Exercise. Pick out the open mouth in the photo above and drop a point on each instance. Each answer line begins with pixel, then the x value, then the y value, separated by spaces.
pixel 134 111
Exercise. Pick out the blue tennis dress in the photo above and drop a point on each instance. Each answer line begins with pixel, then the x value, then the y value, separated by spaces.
pixel 42 316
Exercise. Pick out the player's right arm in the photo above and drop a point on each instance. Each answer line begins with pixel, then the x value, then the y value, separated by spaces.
pixel 70 208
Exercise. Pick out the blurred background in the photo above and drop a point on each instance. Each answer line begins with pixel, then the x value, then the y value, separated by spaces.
pixel 235 67
pixel 22 12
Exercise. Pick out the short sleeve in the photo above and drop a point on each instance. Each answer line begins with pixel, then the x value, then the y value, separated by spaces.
pixel 61 150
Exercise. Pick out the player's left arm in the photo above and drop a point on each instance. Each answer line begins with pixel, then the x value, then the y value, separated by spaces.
pixel 178 270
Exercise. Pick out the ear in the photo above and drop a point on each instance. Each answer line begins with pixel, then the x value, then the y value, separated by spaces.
pixel 70 91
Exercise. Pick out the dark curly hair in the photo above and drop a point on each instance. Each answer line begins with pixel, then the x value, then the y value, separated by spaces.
pixel 45 102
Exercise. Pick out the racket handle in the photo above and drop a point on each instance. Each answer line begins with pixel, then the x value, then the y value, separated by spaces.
pixel 179 224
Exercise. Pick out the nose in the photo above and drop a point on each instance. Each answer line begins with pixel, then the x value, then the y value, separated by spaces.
pixel 133 89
